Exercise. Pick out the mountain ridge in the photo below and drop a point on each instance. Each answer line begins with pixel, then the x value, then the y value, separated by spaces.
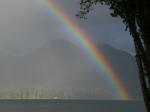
pixel 62 64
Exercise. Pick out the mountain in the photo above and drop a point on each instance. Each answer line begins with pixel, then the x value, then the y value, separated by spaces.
pixel 61 65
pixel 124 64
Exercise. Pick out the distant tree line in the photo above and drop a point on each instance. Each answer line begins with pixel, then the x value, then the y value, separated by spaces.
pixel 42 93
pixel 135 15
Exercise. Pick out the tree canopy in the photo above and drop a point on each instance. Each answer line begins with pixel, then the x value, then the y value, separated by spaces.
pixel 135 14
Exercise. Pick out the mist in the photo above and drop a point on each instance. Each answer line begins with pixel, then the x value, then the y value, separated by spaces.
pixel 37 51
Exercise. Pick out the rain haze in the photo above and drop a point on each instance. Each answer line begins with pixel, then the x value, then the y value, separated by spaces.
pixel 38 51
pixel 26 25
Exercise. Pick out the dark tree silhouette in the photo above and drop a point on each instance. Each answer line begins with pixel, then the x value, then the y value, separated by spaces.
pixel 136 16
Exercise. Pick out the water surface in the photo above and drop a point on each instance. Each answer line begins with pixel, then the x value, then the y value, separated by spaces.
pixel 71 106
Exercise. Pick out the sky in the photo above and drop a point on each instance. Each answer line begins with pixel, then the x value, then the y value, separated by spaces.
pixel 30 30
pixel 27 25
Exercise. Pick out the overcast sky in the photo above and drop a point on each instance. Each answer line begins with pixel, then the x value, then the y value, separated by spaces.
pixel 27 25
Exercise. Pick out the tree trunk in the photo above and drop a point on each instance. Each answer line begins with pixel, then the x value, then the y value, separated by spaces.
pixel 144 23
pixel 144 88
pixel 141 57
pixel 142 62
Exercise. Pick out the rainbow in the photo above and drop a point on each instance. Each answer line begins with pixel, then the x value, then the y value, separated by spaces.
pixel 85 41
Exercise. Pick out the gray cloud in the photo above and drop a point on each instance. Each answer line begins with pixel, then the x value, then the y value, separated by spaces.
pixel 29 26
pixel 101 27
pixel 26 25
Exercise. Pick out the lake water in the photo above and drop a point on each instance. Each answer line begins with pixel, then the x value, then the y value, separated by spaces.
pixel 71 106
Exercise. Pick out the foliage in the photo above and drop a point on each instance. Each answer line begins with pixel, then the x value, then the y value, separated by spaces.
pixel 135 15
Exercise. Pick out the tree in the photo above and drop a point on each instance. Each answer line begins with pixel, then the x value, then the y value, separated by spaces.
pixel 136 16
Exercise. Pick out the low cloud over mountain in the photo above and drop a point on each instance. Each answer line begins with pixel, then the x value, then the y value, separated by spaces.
pixel 61 65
